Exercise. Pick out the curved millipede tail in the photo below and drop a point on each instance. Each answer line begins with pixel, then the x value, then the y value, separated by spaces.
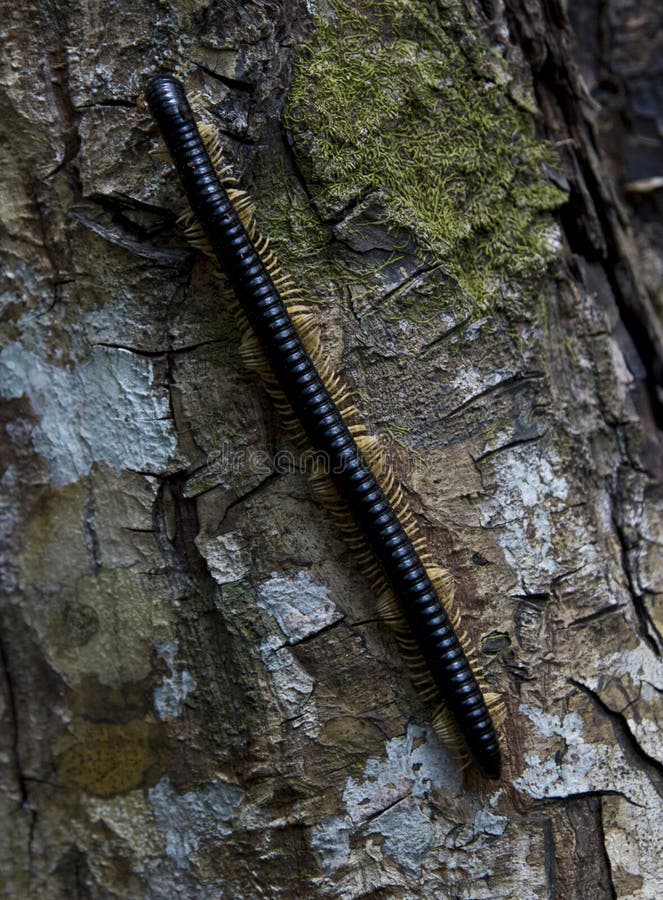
pixel 422 615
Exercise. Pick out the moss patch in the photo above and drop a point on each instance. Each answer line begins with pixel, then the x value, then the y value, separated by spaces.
pixel 384 99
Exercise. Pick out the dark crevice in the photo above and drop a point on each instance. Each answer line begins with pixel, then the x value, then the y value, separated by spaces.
pixel 237 138
pixel 605 610
pixel 303 705
pixel 297 642
pixel 296 169
pixel 66 139
pixel 173 405
pixel 340 216
pixel 90 536
pixel 21 779
pixel 111 218
pixel 141 245
pixel 74 875
pixel 646 627
pixel 381 812
pixel 583 868
pixel 603 858
pixel 406 283
pixel 549 860
pixel 148 354
pixel 120 202
pixel 509 445
pixel 518 379
pixel 592 218
pixel 122 102
pixel 62 94
pixel 157 354
pixel 638 757
pixel 445 335
pixel 173 507
pixel 176 527
pixel 251 492
pixel 588 795
pixel 537 598
pixel 13 712
pixel 236 84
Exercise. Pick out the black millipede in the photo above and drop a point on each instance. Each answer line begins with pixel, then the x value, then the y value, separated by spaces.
pixel 417 597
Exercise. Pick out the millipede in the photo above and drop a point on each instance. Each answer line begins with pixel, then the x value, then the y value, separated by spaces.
pixel 414 595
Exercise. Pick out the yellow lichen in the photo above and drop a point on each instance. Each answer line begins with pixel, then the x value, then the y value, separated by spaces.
pixel 105 758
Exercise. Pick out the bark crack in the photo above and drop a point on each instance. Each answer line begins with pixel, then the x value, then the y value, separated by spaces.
pixel 157 354
pixel 440 338
pixel 633 751
pixel 606 866
pixel 13 712
pixel 646 627
pixel 517 442
pixel 90 536
pixel 592 218
pixel 251 492
pixel 409 280
pixel 605 610
pixel 236 84
pixel 314 635
pixel 385 809
pixel 549 860
pixel 21 778
pixel 180 544
pixel 59 63
pixel 505 383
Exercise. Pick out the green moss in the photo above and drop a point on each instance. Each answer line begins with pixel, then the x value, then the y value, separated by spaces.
pixel 285 214
pixel 384 99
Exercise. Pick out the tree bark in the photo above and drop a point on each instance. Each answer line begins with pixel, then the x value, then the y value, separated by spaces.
pixel 198 698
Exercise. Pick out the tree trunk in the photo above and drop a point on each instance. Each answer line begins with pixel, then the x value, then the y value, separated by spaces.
pixel 198 697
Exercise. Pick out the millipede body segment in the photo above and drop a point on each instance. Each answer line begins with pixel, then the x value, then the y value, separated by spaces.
pixel 261 300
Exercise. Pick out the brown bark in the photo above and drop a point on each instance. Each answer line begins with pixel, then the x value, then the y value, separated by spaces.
pixel 197 699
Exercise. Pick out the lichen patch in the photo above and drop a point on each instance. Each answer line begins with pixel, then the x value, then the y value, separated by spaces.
pixel 105 758
pixel 300 606
pixel 109 409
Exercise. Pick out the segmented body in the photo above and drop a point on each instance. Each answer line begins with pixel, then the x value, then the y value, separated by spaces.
pixel 315 408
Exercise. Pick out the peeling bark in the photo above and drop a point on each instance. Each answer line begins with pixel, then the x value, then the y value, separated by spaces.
pixel 197 697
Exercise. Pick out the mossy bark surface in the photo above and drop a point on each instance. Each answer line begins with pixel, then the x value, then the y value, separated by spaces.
pixel 198 699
